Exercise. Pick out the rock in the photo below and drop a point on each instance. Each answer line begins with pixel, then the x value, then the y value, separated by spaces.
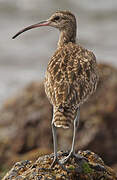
pixel 23 119
pixel 93 168
pixel 25 123
pixel 114 167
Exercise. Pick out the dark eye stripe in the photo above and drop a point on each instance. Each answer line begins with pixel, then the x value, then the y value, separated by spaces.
pixel 56 18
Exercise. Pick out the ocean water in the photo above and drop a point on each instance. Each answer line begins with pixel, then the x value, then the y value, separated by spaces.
pixel 25 59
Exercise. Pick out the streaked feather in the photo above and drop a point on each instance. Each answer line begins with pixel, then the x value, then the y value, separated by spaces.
pixel 71 77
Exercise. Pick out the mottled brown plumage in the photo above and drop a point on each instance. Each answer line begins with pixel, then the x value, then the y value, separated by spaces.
pixel 71 76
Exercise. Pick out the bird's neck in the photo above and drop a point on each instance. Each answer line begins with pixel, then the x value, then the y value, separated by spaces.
pixel 66 36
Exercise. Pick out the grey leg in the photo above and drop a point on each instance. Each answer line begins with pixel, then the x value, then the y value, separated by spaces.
pixel 55 160
pixel 55 145
pixel 76 123
pixel 72 151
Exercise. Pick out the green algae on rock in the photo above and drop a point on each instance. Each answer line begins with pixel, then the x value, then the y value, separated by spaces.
pixel 91 168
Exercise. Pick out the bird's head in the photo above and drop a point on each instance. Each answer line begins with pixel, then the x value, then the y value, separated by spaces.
pixel 61 20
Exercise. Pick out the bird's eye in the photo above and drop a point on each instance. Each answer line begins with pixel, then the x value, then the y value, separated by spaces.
pixel 56 18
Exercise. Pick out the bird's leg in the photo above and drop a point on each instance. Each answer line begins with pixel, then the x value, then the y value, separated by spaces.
pixel 72 151
pixel 55 160
pixel 76 123
pixel 55 145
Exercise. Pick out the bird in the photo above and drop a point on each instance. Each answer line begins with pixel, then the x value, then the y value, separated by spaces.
pixel 70 79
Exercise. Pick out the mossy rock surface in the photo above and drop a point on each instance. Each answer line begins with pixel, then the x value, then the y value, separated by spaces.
pixel 91 168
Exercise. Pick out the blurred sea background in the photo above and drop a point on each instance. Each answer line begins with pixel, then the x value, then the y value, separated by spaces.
pixel 25 59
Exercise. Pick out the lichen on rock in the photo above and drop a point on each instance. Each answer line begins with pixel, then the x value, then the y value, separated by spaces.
pixel 91 167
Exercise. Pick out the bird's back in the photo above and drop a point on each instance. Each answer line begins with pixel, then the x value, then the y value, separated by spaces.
pixel 71 77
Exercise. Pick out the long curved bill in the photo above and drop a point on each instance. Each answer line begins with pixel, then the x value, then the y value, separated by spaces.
pixel 43 23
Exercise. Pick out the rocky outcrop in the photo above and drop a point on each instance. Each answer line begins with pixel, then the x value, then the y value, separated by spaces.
pixel 92 167
pixel 25 126
pixel 23 119
pixel 25 123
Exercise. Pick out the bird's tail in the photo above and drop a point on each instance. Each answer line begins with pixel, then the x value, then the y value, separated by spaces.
pixel 64 117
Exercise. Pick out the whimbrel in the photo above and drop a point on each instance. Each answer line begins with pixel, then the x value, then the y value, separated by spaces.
pixel 71 76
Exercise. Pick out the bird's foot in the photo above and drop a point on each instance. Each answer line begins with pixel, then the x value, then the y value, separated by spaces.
pixel 66 159
pixel 56 161
pixel 72 155
pixel 78 158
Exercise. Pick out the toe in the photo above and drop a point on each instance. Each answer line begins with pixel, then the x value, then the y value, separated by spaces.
pixel 55 161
